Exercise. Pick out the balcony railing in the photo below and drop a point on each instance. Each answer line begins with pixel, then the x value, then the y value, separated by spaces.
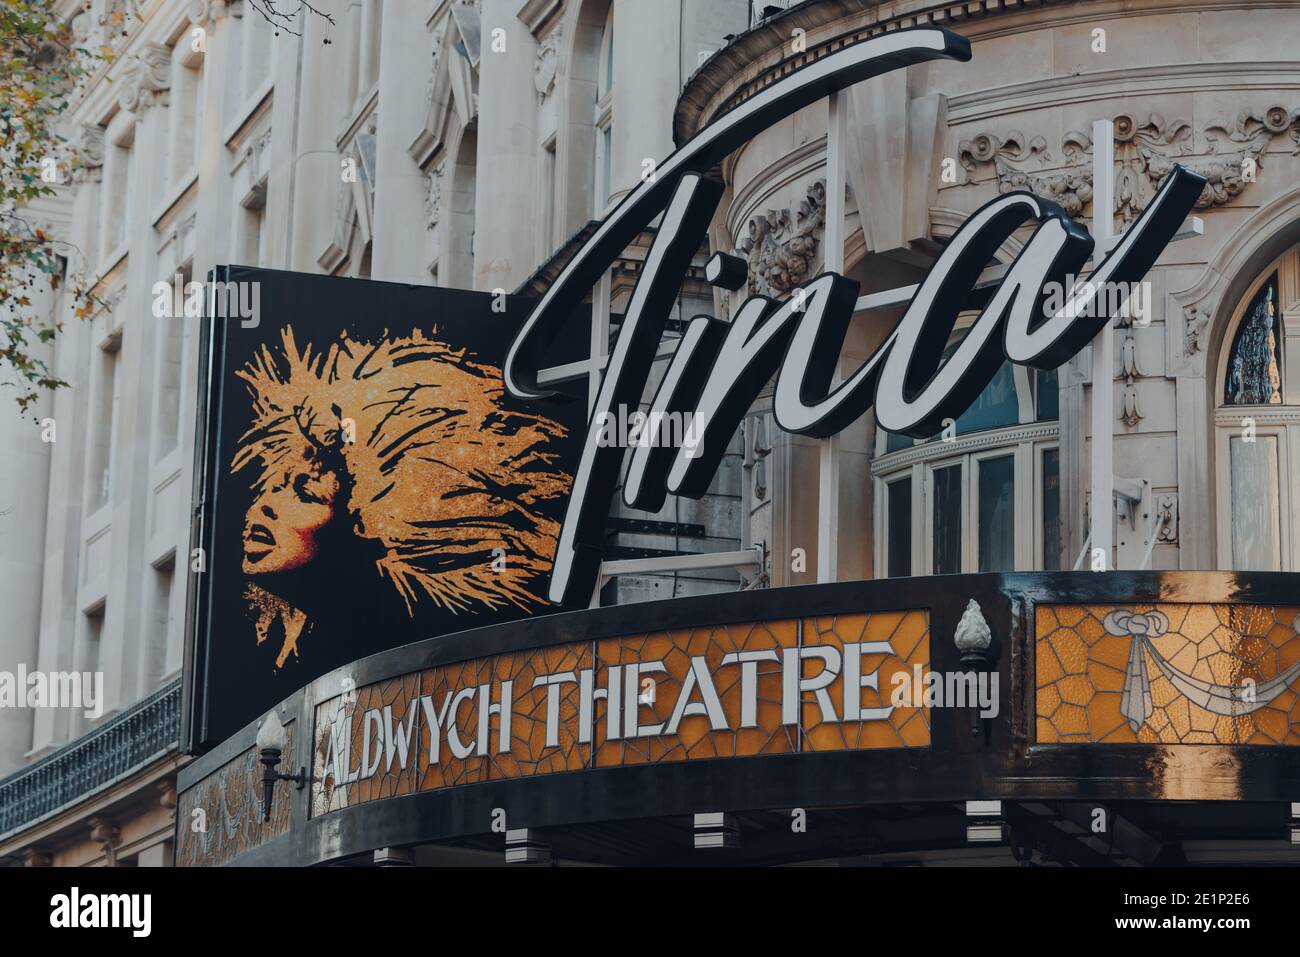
pixel 92 761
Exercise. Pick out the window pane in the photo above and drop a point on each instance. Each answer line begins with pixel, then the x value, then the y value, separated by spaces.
pixel 1256 540
pixel 995 407
pixel 1255 363
pixel 895 442
pixel 947 520
pixel 607 47
pixel 606 165
pixel 997 515
pixel 1049 397
pixel 899 536
pixel 1051 510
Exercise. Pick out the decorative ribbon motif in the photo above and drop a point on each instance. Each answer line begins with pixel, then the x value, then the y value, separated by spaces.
pixel 1227 700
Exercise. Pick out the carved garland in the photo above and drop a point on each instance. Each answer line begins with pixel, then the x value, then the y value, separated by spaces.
pixel 1145 154
pixel 782 245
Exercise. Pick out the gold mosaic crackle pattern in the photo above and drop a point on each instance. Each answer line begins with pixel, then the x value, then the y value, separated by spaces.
pixel 908 633
pixel 230 799
pixel 1080 673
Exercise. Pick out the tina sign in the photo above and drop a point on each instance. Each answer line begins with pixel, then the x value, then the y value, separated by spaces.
pixel 381 465
pixel 719 367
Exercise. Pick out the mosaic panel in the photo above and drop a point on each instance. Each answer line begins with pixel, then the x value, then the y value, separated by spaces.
pixel 220 817
pixel 1167 674
pixel 742 690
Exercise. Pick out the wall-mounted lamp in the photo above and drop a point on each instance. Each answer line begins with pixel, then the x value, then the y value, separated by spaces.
pixel 974 641
pixel 271 742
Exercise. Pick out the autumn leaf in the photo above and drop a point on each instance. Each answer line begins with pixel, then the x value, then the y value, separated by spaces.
pixel 40 62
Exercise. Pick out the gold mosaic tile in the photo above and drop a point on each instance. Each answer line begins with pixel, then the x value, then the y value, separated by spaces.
pixel 220 817
pixel 385 747
pixel 1167 673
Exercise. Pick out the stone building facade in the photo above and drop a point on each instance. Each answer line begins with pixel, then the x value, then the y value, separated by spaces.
pixel 467 143
pixel 426 141
pixel 1204 395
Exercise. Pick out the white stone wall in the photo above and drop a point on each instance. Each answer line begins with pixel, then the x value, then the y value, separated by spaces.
pixel 211 140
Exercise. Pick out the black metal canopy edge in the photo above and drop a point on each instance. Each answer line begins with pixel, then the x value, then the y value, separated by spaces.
pixel 1002 763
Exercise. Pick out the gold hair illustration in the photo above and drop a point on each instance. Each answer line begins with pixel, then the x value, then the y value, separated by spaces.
pixel 408 439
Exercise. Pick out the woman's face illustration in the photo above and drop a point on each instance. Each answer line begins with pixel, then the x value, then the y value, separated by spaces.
pixel 282 524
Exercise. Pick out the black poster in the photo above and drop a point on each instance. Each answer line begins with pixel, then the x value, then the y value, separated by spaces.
pixel 366 481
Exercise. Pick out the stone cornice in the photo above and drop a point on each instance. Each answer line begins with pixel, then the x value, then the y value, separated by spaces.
pixel 757 58
pixel 760 56
pixel 972 442
pixel 97 100
pixel 536 14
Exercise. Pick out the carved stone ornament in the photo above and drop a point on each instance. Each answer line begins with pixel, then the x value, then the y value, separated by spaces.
pixel 1146 154
pixel 1072 189
pixel 108 835
pixel 1194 326
pixel 81 27
pixel 1129 413
pixel 761 449
pixel 1167 517
pixel 149 80
pixel 986 148
pixel 197 11
pixel 89 163
pixel 433 195
pixel 781 247
pixel 544 67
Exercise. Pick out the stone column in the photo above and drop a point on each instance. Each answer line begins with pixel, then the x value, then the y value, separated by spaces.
pixel 281 163
pixel 144 93
pixel 24 482
pixel 212 207
pixel 399 253
pixel 70 412
pixel 646 54
pixel 508 152
pixel 317 177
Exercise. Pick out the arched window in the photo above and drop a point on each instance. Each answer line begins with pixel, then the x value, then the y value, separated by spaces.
pixel 604 119
pixel 1257 428
pixel 984 494
pixel 1255 358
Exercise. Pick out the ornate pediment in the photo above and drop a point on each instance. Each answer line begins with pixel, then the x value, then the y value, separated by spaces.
pixel 355 200
pixel 452 88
